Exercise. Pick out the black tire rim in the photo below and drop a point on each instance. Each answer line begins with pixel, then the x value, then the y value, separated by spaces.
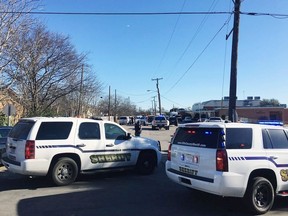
pixel 263 196
pixel 65 172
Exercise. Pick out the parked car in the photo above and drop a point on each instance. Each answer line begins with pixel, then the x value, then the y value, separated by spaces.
pixel 214 119
pixel 173 120
pixel 61 148
pixel 4 131
pixel 160 121
pixel 150 119
pixel 123 120
pixel 144 120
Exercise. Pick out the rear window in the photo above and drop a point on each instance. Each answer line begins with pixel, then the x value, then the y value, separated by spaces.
pixel 21 130
pixel 199 137
pixel 238 138
pixel 54 130
pixel 158 118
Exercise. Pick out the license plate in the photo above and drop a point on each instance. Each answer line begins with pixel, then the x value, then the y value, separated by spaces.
pixel 188 171
pixel 189 158
pixel 12 157
pixel 12 150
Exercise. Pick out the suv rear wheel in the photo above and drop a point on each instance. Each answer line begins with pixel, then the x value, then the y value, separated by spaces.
pixel 64 171
pixel 260 195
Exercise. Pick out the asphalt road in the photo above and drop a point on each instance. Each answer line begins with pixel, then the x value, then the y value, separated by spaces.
pixel 117 194
pixel 164 136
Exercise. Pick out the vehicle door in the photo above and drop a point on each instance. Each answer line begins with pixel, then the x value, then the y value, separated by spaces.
pixel 90 145
pixel 120 149
pixel 276 145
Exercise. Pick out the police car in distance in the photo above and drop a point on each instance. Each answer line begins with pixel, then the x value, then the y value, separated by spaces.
pixel 160 121
pixel 233 160
pixel 63 147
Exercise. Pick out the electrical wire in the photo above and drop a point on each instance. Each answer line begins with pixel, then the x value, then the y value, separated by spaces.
pixel 170 39
pixel 113 13
pixel 277 16
pixel 274 15
pixel 201 53
pixel 195 35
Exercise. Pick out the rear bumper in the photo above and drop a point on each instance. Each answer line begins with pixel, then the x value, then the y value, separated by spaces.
pixel 222 184
pixel 27 167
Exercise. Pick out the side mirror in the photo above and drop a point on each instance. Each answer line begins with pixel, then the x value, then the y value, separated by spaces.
pixel 129 136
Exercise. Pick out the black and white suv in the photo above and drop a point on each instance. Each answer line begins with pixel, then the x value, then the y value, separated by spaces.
pixel 63 147
pixel 232 160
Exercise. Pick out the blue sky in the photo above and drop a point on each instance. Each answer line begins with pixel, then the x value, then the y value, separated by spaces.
pixel 127 52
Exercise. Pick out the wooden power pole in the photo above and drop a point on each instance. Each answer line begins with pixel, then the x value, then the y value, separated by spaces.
pixel 158 91
pixel 234 56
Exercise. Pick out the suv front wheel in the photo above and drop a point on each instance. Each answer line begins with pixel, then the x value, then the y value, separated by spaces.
pixel 64 171
pixel 146 163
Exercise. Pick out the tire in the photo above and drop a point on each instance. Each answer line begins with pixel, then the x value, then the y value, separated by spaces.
pixel 146 163
pixel 64 171
pixel 259 196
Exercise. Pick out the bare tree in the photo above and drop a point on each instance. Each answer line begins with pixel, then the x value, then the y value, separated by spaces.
pixel 124 107
pixel 14 19
pixel 44 67
pixel 87 100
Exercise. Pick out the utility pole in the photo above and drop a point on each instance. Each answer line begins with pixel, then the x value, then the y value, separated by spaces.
pixel 109 105
pixel 115 107
pixel 154 105
pixel 158 91
pixel 79 110
pixel 234 58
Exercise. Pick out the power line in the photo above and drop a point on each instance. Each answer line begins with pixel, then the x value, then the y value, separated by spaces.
pixel 201 53
pixel 195 35
pixel 274 15
pixel 277 16
pixel 114 13
pixel 171 36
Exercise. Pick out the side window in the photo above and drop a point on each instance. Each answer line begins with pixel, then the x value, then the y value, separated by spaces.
pixel 113 131
pixel 238 138
pixel 278 138
pixel 266 140
pixel 89 130
pixel 54 130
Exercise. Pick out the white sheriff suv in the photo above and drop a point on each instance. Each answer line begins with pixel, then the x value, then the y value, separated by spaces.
pixel 63 147
pixel 232 160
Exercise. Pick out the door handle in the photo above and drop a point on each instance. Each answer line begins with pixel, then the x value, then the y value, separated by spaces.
pixel 80 145
pixel 273 157
pixel 109 145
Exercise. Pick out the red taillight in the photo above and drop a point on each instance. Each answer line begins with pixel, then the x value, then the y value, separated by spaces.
pixel 221 160
pixel 30 149
pixel 169 153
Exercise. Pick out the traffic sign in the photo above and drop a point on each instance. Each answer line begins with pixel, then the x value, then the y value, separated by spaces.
pixel 9 109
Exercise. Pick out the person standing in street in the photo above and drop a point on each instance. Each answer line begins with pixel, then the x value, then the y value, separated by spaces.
pixel 137 128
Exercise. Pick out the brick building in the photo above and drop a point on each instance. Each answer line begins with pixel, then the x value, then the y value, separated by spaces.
pixel 9 97
pixel 248 110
